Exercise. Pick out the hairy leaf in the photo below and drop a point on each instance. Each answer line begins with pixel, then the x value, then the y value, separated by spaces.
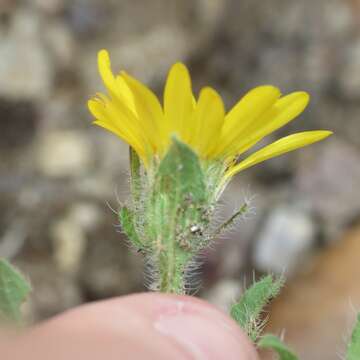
pixel 270 341
pixel 127 222
pixel 180 173
pixel 353 352
pixel 13 291
pixel 247 312
pixel 177 213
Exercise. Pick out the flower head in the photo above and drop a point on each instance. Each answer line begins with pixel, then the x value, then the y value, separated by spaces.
pixel 133 112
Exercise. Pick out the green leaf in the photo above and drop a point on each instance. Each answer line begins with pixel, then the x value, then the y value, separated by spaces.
pixel 135 175
pixel 247 312
pixel 13 291
pixel 127 221
pixel 180 173
pixel 180 196
pixel 229 222
pixel 176 214
pixel 353 352
pixel 270 341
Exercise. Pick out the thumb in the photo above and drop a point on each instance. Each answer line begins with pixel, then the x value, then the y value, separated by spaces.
pixel 141 326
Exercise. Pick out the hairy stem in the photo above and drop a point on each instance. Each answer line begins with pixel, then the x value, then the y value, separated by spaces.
pixel 171 274
pixel 171 256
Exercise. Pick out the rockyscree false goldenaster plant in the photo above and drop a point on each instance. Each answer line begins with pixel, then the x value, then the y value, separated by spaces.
pixel 182 156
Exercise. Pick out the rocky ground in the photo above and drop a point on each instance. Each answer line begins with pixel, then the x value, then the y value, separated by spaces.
pixel 60 176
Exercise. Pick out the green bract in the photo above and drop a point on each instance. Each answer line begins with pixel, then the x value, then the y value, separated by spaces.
pixel 13 292
pixel 273 342
pixel 353 352
pixel 168 219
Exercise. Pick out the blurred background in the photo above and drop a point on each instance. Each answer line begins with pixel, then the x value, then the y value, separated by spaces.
pixel 60 177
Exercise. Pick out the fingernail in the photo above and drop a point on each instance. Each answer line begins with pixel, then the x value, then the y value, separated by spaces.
pixel 204 333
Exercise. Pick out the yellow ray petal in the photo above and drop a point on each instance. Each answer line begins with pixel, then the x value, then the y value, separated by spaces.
pixel 128 96
pixel 290 106
pixel 97 109
pixel 116 85
pixel 106 112
pixel 104 65
pixel 207 121
pixel 131 141
pixel 178 102
pixel 250 107
pixel 148 109
pixel 282 112
pixel 279 147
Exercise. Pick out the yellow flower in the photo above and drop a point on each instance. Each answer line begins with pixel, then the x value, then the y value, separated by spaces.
pixel 134 113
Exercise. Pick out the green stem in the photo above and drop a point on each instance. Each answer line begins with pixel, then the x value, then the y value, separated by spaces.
pixel 172 258
pixel 171 274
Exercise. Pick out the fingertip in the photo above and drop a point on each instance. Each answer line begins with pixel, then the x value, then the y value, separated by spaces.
pixel 149 325
pixel 199 328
